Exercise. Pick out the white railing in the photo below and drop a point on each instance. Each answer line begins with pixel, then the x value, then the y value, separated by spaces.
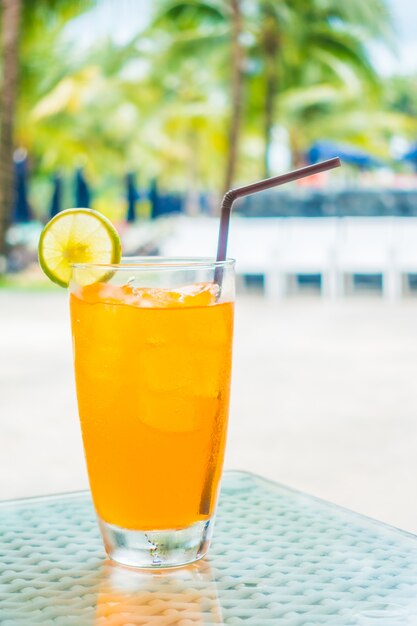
pixel 334 248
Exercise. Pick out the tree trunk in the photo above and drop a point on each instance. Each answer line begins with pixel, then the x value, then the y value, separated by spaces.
pixel 10 33
pixel 297 153
pixel 270 45
pixel 236 94
pixel 191 195
pixel 270 89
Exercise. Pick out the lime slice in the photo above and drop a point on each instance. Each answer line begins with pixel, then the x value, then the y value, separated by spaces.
pixel 77 236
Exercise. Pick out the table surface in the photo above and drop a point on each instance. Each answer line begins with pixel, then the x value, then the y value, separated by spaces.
pixel 279 557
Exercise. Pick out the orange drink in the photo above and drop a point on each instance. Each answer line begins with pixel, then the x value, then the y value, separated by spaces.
pixel 152 368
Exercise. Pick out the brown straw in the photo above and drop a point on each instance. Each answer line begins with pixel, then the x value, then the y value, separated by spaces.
pixel 261 185
pixel 226 209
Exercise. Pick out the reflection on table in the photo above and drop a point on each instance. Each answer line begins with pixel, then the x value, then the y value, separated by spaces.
pixel 182 596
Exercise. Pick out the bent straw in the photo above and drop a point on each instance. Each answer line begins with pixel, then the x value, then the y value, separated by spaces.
pixel 231 195
pixel 226 210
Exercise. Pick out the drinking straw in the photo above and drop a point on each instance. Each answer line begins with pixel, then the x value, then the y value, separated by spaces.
pixel 231 195
pixel 226 209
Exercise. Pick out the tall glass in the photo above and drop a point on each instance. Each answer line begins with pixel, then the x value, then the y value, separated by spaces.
pixel 152 344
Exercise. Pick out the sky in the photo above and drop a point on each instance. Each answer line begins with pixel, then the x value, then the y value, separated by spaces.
pixel 121 19
pixel 404 13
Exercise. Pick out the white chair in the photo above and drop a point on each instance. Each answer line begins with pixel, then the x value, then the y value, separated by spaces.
pixel 307 248
pixel 366 247
pixel 405 250
pixel 251 241
pixel 191 236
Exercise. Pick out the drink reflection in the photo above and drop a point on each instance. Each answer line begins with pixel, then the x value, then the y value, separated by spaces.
pixel 178 597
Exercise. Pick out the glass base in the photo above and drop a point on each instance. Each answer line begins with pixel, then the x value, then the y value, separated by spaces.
pixel 157 548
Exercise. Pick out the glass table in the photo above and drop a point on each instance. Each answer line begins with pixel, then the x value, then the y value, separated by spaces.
pixel 279 557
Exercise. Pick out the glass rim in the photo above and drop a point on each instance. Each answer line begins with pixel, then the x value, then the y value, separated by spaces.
pixel 153 263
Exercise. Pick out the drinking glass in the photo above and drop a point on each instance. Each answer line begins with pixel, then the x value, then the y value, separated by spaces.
pixel 152 342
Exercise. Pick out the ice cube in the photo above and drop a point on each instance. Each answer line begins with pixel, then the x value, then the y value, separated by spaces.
pixel 108 294
pixel 198 294
pixel 195 295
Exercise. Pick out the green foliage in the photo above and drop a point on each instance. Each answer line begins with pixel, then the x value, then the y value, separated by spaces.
pixel 160 104
pixel 400 95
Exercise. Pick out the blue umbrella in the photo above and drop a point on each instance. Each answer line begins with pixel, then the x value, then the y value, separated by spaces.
pixel 322 150
pixel 56 200
pixel 132 195
pixel 82 191
pixel 21 209
pixel 411 155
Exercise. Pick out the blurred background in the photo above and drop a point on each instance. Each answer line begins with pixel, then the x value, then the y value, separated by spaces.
pixel 149 112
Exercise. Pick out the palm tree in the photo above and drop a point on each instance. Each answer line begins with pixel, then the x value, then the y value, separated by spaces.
pixel 237 76
pixel 10 36
pixel 329 111
pixel 27 28
pixel 310 43
pixel 273 21
pixel 172 100
pixel 196 26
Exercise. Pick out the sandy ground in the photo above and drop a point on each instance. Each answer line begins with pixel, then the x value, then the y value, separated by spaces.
pixel 324 399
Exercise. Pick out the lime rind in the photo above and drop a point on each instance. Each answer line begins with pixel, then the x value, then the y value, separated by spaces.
pixel 70 237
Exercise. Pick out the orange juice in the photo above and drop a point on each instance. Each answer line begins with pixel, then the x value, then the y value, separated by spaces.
pixel 152 371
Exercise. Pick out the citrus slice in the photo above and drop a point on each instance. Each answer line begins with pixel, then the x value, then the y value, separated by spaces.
pixel 77 236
